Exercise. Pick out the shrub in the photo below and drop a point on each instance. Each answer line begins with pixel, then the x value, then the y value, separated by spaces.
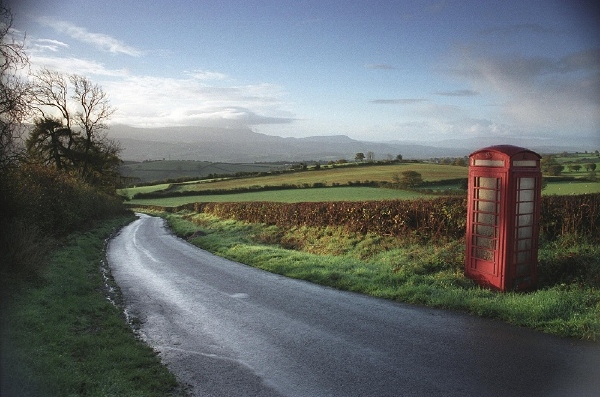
pixel 40 203
pixel 440 218
pixel 570 215
pixel 56 202
pixel 23 248
pixel 437 218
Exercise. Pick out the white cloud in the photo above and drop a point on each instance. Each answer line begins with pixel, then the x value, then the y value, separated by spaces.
pixel 458 93
pixel 48 45
pixel 69 64
pixel 435 129
pixel 207 75
pixel 154 101
pixel 99 40
pixel 399 101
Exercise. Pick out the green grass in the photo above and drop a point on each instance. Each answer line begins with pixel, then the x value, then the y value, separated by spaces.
pixel 338 175
pixel 291 196
pixel 341 194
pixel 566 303
pixel 571 187
pixel 129 192
pixel 62 337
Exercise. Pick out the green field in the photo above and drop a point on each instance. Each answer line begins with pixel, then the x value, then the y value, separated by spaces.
pixel 334 194
pixel 575 187
pixel 291 196
pixel 129 192
pixel 337 175
pixel 337 179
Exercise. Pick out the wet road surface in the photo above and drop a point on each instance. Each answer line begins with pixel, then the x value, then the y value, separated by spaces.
pixel 227 329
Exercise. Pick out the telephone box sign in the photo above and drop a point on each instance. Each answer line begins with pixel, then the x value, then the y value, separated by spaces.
pixel 503 210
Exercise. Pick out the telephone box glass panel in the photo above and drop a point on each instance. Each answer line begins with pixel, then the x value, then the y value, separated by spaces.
pixel 524 224
pixel 486 209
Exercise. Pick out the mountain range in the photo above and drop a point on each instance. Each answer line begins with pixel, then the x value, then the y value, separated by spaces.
pixel 242 145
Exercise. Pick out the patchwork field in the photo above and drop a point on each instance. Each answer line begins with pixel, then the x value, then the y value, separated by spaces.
pixel 327 184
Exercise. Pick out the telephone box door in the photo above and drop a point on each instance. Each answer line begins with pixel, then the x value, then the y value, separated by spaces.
pixel 486 197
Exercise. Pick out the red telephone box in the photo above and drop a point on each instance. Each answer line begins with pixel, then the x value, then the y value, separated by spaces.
pixel 503 213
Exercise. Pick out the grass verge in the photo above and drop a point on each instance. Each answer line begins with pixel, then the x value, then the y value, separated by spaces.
pixel 567 302
pixel 61 336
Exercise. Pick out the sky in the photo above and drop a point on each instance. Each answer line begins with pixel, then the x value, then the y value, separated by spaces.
pixel 379 70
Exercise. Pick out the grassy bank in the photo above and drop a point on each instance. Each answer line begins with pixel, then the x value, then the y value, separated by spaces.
pixel 61 336
pixel 567 302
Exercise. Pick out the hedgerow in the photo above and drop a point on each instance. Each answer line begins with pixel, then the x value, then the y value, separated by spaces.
pixel 441 217
pixel 576 215
pixel 438 218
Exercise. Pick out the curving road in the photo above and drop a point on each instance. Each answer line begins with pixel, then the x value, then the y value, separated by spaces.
pixel 227 329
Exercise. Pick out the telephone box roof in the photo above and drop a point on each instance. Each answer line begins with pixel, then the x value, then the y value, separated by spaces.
pixel 508 150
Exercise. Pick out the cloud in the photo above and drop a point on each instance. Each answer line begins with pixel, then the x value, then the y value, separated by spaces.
pixel 472 127
pixel 68 64
pixel 48 44
pixel 457 93
pixel 435 130
pixel 403 101
pixel 239 114
pixel 99 40
pixel 550 95
pixel 207 75
pixel 382 66
pixel 154 101
pixel 583 60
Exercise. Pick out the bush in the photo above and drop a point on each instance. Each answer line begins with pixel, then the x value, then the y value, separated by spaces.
pixel 436 218
pixel 570 215
pixel 23 248
pixel 56 202
pixel 40 203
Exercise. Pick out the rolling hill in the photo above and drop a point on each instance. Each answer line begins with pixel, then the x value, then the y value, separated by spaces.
pixel 242 145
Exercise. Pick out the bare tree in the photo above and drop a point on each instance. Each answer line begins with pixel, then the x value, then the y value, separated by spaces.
pixel 51 95
pixel 14 90
pixel 93 111
pixel 83 108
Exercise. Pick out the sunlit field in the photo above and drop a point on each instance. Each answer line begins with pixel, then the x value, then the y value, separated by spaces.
pixel 291 196
pixel 566 188
pixel 338 175
pixel 333 184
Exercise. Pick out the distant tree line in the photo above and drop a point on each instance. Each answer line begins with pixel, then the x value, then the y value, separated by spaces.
pixel 552 167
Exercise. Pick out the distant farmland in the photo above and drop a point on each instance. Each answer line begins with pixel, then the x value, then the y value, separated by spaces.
pixel 150 171
pixel 325 184
pixel 340 183
pixel 335 176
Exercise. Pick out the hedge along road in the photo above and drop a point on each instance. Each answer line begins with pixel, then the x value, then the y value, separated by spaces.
pixel 227 329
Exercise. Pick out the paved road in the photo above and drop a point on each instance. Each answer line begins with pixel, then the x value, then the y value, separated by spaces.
pixel 227 329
